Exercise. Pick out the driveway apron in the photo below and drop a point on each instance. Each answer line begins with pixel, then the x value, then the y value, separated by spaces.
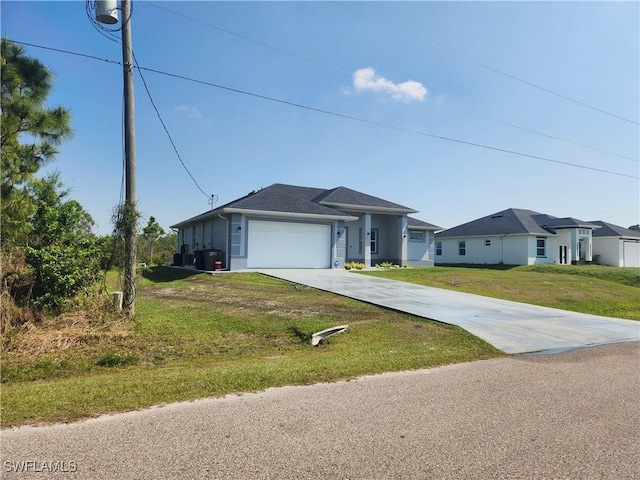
pixel 509 326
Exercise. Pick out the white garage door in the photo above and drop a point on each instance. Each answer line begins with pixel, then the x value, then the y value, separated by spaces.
pixel 631 254
pixel 288 245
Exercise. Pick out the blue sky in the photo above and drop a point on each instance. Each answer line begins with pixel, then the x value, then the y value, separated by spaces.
pixel 426 67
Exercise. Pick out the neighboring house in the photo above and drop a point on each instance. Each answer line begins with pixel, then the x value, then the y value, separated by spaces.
pixel 615 245
pixel 517 237
pixel 287 226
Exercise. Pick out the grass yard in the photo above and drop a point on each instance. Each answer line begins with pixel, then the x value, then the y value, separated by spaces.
pixel 198 335
pixel 595 289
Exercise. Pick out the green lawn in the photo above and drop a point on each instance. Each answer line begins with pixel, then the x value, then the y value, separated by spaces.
pixel 198 335
pixel 595 289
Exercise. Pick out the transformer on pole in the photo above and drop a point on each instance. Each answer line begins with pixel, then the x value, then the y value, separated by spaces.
pixel 107 11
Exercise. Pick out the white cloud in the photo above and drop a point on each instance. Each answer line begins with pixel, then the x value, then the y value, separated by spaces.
pixel 189 111
pixel 367 79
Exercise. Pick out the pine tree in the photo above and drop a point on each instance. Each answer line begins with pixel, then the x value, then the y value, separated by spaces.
pixel 29 134
pixel 151 233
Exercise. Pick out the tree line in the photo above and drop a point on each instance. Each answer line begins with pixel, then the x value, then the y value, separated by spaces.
pixel 51 259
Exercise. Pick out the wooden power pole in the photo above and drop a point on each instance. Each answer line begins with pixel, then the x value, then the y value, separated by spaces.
pixel 129 213
pixel 107 12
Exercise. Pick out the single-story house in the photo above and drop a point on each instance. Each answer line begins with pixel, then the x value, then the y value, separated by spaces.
pixel 615 245
pixel 517 237
pixel 288 226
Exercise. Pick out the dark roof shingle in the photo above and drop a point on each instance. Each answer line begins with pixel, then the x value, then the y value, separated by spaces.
pixel 303 200
pixel 611 230
pixel 342 196
pixel 420 225
pixel 514 221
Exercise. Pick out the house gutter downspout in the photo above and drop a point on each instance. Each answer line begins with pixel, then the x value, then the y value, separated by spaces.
pixel 226 242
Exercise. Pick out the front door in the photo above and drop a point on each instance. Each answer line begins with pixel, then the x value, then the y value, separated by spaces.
pixel 562 257
pixel 354 244
pixel 581 250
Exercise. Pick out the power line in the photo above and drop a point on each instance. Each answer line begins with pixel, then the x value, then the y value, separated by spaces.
pixel 164 126
pixel 363 120
pixel 352 75
pixel 68 52
pixel 537 132
pixel 483 65
pixel 380 124
pixel 93 57
pixel 100 28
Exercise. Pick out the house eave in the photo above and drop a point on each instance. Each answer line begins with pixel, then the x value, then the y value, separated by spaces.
pixel 429 229
pixel 578 225
pixel 498 235
pixel 366 208
pixel 198 218
pixel 294 215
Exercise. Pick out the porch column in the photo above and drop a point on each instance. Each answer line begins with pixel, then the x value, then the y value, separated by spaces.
pixel 574 247
pixel 404 240
pixel 366 247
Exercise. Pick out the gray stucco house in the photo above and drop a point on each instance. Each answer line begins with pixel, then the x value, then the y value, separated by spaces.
pixel 288 226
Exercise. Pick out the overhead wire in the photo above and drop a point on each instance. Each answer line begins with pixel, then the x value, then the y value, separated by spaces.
pixel 381 124
pixel 164 126
pixel 109 34
pixel 93 57
pixel 484 65
pixel 100 28
pixel 363 120
pixel 355 75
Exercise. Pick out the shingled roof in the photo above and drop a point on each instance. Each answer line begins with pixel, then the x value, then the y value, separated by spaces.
pixel 346 198
pixel 611 230
pixel 514 221
pixel 416 224
pixel 294 199
pixel 284 198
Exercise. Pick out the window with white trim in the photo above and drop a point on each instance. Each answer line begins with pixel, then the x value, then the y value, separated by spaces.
pixel 438 248
pixel 462 247
pixel 541 247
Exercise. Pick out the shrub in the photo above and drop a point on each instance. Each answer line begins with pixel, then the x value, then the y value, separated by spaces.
pixel 386 265
pixel 17 282
pixel 354 265
pixel 117 359
pixel 62 271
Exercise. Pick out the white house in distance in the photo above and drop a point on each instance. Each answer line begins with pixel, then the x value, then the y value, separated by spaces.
pixel 615 245
pixel 289 226
pixel 517 237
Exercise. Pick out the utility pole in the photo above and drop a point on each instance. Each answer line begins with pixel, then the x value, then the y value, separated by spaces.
pixel 107 13
pixel 129 213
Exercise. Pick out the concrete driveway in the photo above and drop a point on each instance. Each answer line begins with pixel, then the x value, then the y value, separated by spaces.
pixel 509 326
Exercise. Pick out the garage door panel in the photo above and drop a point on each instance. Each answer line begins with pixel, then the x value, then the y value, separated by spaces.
pixel 631 254
pixel 288 245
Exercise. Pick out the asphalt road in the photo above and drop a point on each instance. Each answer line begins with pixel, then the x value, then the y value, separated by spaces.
pixel 574 415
